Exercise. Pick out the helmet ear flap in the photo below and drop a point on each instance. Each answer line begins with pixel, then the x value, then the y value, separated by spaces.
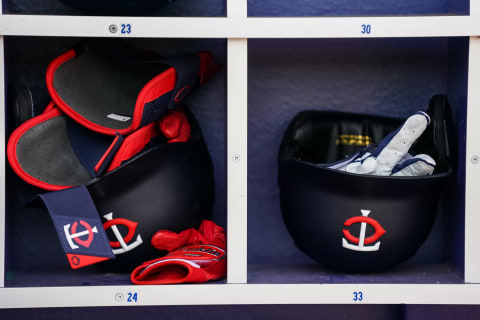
pixel 19 99
pixel 438 139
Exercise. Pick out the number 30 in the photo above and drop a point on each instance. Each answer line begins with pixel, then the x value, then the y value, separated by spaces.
pixel 366 29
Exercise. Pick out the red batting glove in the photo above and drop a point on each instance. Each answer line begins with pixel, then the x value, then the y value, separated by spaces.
pixel 175 126
pixel 202 257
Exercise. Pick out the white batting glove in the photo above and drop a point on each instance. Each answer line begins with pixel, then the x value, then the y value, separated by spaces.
pixel 391 157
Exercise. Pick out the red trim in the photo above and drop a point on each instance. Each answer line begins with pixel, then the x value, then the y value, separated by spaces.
pixel 105 155
pixel 49 107
pixel 12 148
pixel 133 144
pixel 155 88
pixel 158 86
pixel 79 260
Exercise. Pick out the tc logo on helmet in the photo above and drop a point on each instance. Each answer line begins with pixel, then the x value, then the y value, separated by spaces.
pixel 360 243
pixel 122 242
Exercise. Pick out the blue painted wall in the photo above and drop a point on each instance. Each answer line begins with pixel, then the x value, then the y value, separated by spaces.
pixel 355 8
pixel 376 76
pixel 287 76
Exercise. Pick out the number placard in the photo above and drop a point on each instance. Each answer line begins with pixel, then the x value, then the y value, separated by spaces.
pixel 366 29
pixel 132 297
pixel 126 28
pixel 358 296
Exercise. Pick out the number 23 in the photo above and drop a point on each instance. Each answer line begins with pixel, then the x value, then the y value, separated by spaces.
pixel 126 28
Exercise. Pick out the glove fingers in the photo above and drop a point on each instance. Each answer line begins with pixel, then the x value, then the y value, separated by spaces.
pixel 365 165
pixel 175 126
pixel 420 165
pixel 168 240
pixel 396 145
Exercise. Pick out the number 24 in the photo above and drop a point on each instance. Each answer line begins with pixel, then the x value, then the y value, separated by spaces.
pixel 132 297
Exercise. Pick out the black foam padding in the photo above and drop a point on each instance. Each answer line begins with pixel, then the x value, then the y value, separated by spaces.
pixel 314 136
pixel 45 153
pixel 326 137
pixel 95 86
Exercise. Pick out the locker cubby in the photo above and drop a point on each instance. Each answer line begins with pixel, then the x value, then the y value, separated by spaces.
pixel 33 255
pixel 311 8
pixel 390 76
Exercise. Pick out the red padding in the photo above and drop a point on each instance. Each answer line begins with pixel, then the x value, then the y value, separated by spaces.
pixel 50 112
pixel 133 144
pixel 155 88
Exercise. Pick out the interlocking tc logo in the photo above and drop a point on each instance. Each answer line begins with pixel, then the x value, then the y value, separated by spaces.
pixel 360 243
pixel 122 242
pixel 73 237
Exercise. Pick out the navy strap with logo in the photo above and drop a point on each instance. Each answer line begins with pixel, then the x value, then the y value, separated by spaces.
pixel 78 226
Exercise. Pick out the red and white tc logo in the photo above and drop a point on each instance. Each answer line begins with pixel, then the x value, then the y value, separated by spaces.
pixel 360 243
pixel 74 237
pixel 123 244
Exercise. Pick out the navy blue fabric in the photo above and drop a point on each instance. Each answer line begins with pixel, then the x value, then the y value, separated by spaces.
pixel 186 67
pixel 90 146
pixel 155 110
pixel 75 206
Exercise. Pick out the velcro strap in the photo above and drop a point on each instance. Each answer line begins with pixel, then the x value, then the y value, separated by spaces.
pixel 200 253
pixel 78 226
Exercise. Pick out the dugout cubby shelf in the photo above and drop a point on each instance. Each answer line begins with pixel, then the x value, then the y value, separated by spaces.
pixel 321 70
pixel 26 259
pixel 278 59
